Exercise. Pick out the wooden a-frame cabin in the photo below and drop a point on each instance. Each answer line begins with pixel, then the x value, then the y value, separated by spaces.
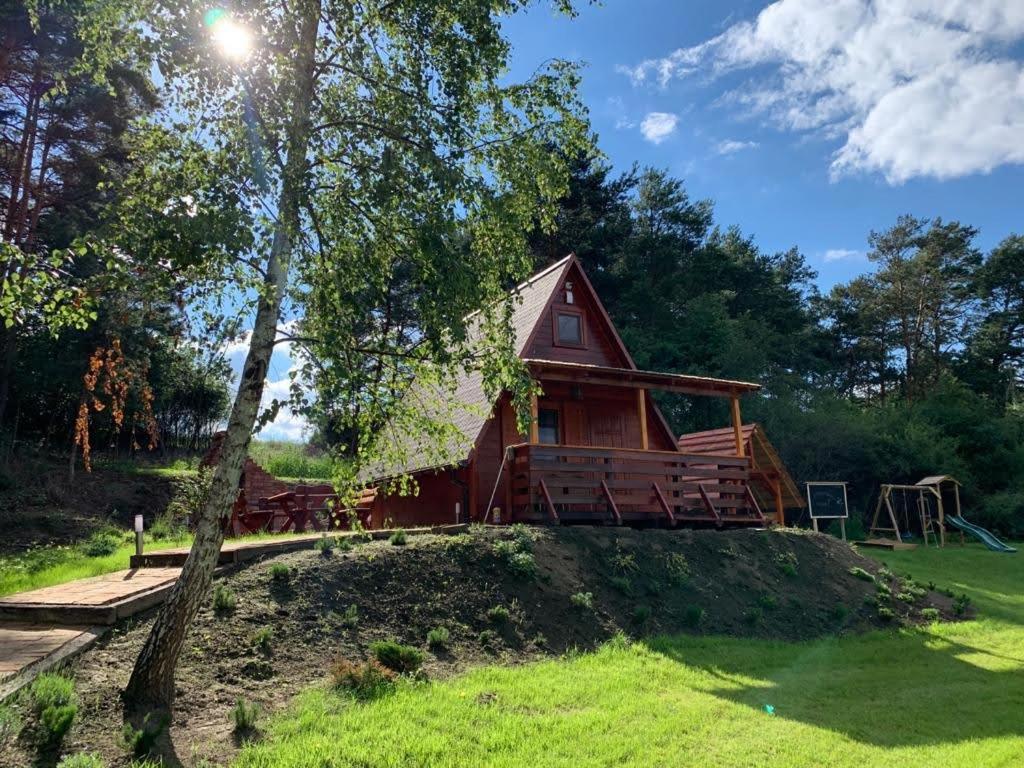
pixel 598 451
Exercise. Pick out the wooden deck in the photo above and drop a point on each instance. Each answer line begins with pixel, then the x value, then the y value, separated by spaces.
pixel 570 484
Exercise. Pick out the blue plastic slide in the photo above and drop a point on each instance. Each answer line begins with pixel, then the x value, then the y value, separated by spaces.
pixel 987 537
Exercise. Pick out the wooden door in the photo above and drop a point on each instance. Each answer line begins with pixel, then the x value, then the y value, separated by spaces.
pixel 606 428
pixel 576 432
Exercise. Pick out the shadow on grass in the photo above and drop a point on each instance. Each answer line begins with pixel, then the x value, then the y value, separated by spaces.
pixel 895 689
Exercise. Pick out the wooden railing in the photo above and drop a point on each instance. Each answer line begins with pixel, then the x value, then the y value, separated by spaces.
pixel 574 483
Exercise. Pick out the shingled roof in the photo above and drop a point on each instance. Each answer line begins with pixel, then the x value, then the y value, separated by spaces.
pixel 530 300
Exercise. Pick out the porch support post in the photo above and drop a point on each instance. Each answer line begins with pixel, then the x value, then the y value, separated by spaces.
pixel 737 425
pixel 641 404
pixel 780 512
pixel 534 422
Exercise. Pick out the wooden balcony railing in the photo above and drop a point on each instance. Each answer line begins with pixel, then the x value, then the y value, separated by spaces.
pixel 620 485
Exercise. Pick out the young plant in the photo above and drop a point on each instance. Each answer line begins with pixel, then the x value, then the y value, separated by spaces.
pixel 583 600
pixel 261 639
pixel 82 760
pixel 279 572
pixel 244 716
pixel 677 568
pixel 140 741
pixel 930 614
pixel 787 563
pixel 364 681
pixel 224 600
pixel 437 638
pixel 693 615
pixel 399 538
pixel 499 614
pixel 325 545
pixel 350 618
pixel 886 614
pixel 858 572
pixel 960 605
pixel 641 614
pixel 53 699
pixel 403 659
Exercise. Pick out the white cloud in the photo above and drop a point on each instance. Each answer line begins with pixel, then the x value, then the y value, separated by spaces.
pixel 730 146
pixel 658 126
pixel 839 254
pixel 910 87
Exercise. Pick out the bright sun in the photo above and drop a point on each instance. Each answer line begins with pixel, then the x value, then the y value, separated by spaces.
pixel 233 40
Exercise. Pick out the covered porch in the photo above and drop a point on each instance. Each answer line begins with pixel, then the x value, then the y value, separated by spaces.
pixel 599 451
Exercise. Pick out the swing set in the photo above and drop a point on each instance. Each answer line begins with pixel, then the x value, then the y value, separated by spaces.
pixel 903 509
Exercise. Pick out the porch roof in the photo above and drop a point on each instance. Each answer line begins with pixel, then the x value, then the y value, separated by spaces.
pixel 585 373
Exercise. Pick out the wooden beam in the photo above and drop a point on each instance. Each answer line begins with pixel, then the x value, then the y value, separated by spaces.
pixel 534 420
pixel 547 500
pixel 641 403
pixel 664 505
pixel 611 503
pixel 737 425
pixel 780 512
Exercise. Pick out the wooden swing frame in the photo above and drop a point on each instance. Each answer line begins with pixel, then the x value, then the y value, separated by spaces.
pixel 928 523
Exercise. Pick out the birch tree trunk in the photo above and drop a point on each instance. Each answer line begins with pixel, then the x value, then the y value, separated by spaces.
pixel 151 686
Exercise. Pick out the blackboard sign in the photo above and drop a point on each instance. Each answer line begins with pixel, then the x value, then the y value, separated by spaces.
pixel 827 500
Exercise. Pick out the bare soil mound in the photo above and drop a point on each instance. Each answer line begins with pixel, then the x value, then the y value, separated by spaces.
pixel 504 595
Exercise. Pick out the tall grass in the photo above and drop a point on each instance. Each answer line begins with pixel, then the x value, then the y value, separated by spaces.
pixel 291 460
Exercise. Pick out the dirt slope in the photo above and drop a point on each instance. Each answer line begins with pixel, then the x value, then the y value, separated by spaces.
pixel 783 585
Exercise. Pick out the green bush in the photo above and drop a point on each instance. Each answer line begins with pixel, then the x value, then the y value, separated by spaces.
pixel 56 722
pixel 224 600
pixel 693 615
pixel 767 602
pixel 279 572
pixel 583 600
pixel 140 741
pixel 641 614
pixel 960 605
pixel 244 716
pixel 624 562
pixel 350 618
pixel 9 723
pixel 437 638
pixel 787 563
pixel 677 568
pixel 499 614
pixel 488 638
pixel 364 681
pixel 51 690
pixel 82 760
pixel 403 659
pixel 325 545
pixel 102 543
pixel 753 616
pixel 399 538
pixel 885 614
pixel 516 552
pixel 623 584
pixel 839 613
pixel 930 614
pixel 261 639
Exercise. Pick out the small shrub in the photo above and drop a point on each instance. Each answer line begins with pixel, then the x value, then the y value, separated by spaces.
pixel 438 637
pixel 346 543
pixel 279 572
pixel 516 551
pixel 624 562
pixel 56 722
pixel 641 614
pixel 583 600
pixel 693 615
pixel 400 658
pixel 367 680
pixel 861 574
pixel 325 545
pixel 9 723
pixel 539 640
pixel 350 618
pixel 839 613
pixel 623 584
pixel 224 600
pixel 883 590
pixel 947 592
pixel 399 538
pixel 930 614
pixel 140 741
pixel 82 760
pixel 768 602
pixel 51 690
pixel 523 565
pixel 244 716
pixel 677 568
pixel 488 638
pixel 960 605
pixel 261 639
pixel 101 544
pixel 885 573
pixel 499 614
pixel 905 597
pixel 787 563
pixel 752 616
pixel 885 614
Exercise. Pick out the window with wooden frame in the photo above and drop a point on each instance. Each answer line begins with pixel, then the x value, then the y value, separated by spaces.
pixel 569 328
pixel 548 432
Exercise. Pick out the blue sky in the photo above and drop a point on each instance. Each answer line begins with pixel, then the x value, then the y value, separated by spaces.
pixel 808 122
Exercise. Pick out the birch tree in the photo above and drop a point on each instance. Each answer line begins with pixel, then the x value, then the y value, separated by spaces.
pixel 364 141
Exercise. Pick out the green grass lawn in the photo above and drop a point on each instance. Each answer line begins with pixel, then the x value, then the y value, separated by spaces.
pixel 949 694
pixel 48 566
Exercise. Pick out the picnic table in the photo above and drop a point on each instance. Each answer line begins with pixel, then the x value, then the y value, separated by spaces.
pixel 304 507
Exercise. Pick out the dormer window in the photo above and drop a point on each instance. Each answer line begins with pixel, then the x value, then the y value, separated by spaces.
pixel 569 328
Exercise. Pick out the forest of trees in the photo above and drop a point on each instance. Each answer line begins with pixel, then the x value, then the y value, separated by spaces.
pixel 914 368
